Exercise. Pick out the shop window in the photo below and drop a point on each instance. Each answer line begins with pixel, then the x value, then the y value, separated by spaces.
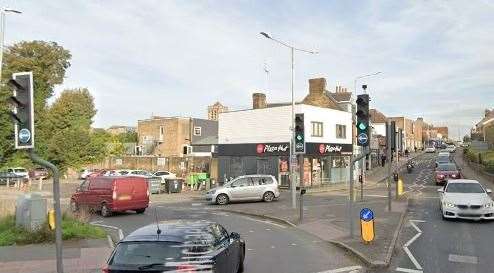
pixel 340 131
pixel 317 129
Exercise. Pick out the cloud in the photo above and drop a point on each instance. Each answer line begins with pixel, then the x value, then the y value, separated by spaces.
pixel 175 58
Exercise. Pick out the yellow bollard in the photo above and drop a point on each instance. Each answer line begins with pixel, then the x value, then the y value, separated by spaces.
pixel 51 219
pixel 400 187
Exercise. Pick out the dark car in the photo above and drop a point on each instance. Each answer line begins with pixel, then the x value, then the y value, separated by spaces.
pixel 446 171
pixel 178 246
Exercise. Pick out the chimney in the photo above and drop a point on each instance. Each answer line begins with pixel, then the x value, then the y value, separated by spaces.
pixel 258 101
pixel 317 86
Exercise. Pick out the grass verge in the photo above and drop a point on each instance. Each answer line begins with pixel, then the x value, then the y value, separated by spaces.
pixel 72 228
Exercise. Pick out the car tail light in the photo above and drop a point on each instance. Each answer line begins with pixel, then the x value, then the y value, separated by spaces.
pixel 105 269
pixel 440 176
pixel 186 268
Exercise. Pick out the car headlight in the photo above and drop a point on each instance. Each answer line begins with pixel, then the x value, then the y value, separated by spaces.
pixel 211 192
pixel 448 205
pixel 489 205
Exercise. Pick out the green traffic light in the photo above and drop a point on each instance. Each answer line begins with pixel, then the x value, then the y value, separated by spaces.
pixel 362 126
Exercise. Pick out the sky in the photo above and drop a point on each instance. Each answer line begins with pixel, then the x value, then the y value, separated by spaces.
pixel 173 58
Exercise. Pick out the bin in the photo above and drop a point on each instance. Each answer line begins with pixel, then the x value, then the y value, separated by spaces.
pixel 174 185
pixel 154 184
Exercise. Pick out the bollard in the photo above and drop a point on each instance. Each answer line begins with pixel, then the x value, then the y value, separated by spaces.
pixel 51 219
pixel 400 186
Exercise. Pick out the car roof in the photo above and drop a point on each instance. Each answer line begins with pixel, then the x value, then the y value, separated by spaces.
pixel 463 181
pixel 171 231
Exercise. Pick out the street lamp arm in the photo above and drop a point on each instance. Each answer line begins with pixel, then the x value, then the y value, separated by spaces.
pixel 287 45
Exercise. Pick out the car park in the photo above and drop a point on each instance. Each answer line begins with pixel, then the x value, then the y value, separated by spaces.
pixel 111 194
pixel 446 171
pixel 430 149
pixel 245 188
pixel 466 199
pixel 178 246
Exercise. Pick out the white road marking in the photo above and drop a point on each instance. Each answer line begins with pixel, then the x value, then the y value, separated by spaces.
pixel 343 269
pixel 250 249
pixel 268 229
pixel 405 247
pixel 293 244
pixel 266 222
pixel 110 241
pixel 197 204
pixel 408 270
pixel 463 259
pixel 272 246
pixel 412 258
pixel 120 232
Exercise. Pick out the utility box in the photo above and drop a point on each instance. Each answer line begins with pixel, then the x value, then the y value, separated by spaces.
pixel 30 211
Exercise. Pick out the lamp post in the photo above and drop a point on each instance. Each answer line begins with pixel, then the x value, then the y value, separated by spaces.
pixel 292 141
pixel 3 12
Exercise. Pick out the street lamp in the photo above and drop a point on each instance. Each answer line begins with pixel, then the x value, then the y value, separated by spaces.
pixel 361 77
pixel 292 141
pixel 3 12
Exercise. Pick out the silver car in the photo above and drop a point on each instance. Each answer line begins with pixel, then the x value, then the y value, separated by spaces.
pixel 466 199
pixel 246 187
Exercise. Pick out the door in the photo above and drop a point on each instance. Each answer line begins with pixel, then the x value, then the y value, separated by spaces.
pixel 241 188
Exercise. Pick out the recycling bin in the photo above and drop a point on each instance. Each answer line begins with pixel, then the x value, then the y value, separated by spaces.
pixel 174 185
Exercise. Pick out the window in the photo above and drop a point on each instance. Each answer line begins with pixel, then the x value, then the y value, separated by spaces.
pixel 242 182
pixel 197 131
pixel 340 131
pixel 316 129
pixel 162 133
pixel 262 180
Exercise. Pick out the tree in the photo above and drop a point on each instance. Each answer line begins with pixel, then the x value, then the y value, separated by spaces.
pixel 128 137
pixel 48 61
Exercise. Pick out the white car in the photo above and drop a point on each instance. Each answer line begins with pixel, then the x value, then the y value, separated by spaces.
pixel 466 199
pixel 255 187
pixel 139 173
pixel 430 149
pixel 165 175
pixel 19 172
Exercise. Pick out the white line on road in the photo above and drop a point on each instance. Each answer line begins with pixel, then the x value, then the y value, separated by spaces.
pixel 343 269
pixel 408 270
pixel 412 258
pixel 265 222
pixel 413 239
pixel 463 259
pixel 405 247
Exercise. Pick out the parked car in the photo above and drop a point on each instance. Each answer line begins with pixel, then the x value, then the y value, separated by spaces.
pixel 84 173
pixel 466 199
pixel 446 171
pixel 111 194
pixel 10 177
pixel 123 172
pixel 246 187
pixel 165 175
pixel 38 173
pixel 140 173
pixel 22 172
pixel 179 246
pixel 451 148
pixel 430 149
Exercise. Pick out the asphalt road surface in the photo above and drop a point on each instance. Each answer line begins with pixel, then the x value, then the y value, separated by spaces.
pixel 431 245
pixel 270 247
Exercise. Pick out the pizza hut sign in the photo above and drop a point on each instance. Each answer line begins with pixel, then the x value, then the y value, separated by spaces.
pixel 269 148
pixel 328 148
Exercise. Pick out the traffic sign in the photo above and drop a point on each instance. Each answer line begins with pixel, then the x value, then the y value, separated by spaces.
pixel 362 138
pixel 24 135
pixel 367 225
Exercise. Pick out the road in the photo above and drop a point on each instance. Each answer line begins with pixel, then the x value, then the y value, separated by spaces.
pixel 271 247
pixel 432 244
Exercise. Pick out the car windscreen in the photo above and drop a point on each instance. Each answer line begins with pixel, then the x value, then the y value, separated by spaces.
pixel 138 253
pixel 464 188
pixel 446 167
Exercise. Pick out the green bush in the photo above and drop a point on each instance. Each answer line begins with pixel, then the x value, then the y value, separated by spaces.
pixel 71 229
pixel 471 156
pixel 489 166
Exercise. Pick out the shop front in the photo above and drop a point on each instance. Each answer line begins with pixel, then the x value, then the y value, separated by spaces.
pixel 324 163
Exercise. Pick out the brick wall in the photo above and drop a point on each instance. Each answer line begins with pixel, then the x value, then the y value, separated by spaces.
pixel 176 134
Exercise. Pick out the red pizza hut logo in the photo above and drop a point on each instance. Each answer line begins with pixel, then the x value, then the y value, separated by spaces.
pixel 268 148
pixel 260 148
pixel 328 148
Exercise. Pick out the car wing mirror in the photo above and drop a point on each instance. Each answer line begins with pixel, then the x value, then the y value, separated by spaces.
pixel 441 190
pixel 489 191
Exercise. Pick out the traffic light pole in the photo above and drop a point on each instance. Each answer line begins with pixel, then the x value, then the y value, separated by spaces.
pixel 351 190
pixel 389 135
pixel 56 205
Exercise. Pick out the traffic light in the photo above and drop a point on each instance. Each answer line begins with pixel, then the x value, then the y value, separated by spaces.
pixel 299 134
pixel 363 120
pixel 22 109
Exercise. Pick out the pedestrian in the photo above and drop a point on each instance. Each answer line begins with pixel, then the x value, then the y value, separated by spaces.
pixel 415 149
pixel 406 152
pixel 383 160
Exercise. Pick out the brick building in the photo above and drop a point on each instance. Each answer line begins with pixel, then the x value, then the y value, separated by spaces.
pixel 215 110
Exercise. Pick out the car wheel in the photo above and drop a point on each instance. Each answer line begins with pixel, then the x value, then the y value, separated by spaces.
pixel 268 196
pixel 105 210
pixel 222 199
pixel 74 207
pixel 140 211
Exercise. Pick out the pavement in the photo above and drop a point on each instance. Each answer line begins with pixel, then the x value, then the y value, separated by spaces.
pixel 428 244
pixel 83 256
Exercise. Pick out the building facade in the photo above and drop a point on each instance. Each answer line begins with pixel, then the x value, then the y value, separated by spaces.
pixel 257 140
pixel 215 110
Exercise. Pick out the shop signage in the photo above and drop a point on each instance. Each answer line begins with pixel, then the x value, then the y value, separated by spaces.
pixel 271 148
pixel 282 149
pixel 330 148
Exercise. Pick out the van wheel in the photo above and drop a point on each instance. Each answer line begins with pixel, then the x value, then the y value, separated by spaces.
pixel 74 207
pixel 140 211
pixel 222 199
pixel 268 196
pixel 105 210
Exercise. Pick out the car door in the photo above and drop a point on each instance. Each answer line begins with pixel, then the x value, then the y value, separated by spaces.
pixel 240 188
pixel 259 186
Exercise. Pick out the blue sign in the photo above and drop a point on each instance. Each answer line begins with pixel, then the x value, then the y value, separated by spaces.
pixel 24 135
pixel 366 214
pixel 362 138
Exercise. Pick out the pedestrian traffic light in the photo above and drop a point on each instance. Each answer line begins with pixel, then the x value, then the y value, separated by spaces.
pixel 22 109
pixel 299 134
pixel 363 120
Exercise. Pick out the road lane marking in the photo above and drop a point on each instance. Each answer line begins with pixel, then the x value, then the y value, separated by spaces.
pixel 412 258
pixel 405 247
pixel 343 269
pixel 265 222
pixel 463 259
pixel 408 270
